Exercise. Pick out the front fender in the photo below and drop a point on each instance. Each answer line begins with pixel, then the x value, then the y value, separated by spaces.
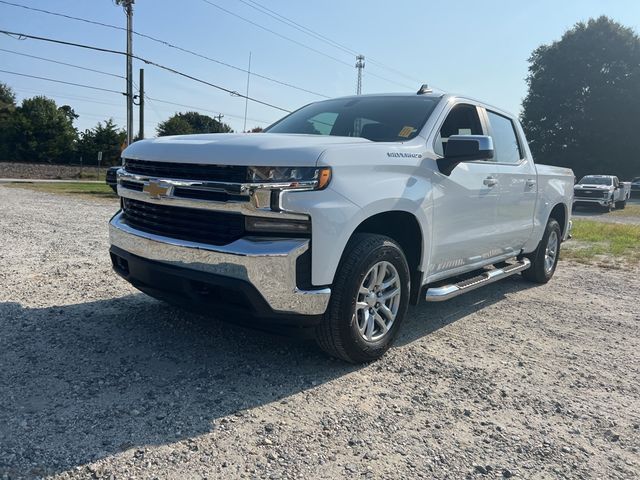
pixel 334 218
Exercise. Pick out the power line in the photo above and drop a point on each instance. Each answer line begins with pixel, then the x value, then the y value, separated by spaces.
pixel 167 44
pixel 287 21
pixel 148 62
pixel 62 81
pixel 303 45
pixel 276 33
pixel 204 109
pixel 267 11
pixel 66 96
pixel 92 100
pixel 61 63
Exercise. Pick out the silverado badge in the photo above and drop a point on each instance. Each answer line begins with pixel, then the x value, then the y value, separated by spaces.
pixel 155 189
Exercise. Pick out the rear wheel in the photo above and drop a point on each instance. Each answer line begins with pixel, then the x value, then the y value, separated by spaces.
pixel 368 302
pixel 545 258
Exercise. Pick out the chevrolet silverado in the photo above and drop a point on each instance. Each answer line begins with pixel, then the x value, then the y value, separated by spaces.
pixel 341 214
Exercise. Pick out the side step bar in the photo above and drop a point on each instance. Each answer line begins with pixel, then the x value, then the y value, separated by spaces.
pixel 445 292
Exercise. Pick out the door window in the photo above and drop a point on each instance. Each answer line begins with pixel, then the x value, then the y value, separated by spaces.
pixel 463 119
pixel 505 140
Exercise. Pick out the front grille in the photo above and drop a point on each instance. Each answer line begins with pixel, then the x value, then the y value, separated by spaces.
pixel 589 193
pixel 203 226
pixel 187 171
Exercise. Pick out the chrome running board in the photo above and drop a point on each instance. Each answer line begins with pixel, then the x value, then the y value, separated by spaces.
pixel 445 292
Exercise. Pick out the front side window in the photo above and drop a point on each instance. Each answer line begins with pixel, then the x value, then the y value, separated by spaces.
pixel 463 119
pixel 376 118
pixel 505 139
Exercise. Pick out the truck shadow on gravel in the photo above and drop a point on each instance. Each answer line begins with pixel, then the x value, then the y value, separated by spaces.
pixel 86 381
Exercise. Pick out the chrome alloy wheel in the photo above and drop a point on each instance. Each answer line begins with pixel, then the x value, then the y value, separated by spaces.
pixel 378 301
pixel 551 252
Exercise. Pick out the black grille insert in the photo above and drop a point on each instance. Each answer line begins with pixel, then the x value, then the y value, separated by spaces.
pixel 590 193
pixel 204 226
pixel 187 171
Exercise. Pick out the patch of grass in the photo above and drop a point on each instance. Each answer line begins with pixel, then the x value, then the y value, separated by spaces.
pixel 597 242
pixel 99 190
pixel 629 211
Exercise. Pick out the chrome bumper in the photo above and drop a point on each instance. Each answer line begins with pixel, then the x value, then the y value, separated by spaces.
pixel 269 264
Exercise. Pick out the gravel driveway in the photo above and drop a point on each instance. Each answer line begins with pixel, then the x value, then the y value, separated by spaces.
pixel 99 381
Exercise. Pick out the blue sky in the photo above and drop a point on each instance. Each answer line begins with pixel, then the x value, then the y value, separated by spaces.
pixel 476 48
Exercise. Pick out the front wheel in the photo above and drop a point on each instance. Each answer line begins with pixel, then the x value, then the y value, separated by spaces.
pixel 621 204
pixel 545 258
pixel 609 206
pixel 368 302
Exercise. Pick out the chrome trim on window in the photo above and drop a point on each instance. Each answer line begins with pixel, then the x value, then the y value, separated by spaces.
pixel 269 264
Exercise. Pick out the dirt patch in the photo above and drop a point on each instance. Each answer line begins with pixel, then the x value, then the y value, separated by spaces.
pixel 50 172
pixel 99 381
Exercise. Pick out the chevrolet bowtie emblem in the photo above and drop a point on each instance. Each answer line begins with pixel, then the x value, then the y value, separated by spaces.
pixel 155 189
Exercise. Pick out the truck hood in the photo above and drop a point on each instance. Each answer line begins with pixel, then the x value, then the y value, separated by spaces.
pixel 269 149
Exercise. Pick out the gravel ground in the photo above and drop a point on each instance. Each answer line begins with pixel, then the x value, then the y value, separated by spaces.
pixel 99 381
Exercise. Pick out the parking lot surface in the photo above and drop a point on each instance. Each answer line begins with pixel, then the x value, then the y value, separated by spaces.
pixel 98 380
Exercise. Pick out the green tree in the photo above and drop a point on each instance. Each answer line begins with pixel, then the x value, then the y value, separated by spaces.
pixel 40 131
pixel 104 137
pixel 7 97
pixel 191 122
pixel 7 110
pixel 583 104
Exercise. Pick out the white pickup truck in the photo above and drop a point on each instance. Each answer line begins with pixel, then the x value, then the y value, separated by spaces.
pixel 603 190
pixel 341 214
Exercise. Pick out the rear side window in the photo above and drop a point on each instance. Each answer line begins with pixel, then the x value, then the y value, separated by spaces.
pixel 505 139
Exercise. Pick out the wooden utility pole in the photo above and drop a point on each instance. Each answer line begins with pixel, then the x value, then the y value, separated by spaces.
pixel 141 105
pixel 128 10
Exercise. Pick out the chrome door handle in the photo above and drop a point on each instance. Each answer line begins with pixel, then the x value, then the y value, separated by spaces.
pixel 490 181
pixel 531 182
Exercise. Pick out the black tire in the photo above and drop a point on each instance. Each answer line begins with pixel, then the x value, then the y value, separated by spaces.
pixel 621 204
pixel 537 272
pixel 338 334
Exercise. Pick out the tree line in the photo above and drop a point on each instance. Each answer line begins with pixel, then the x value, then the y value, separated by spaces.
pixel 40 131
pixel 582 110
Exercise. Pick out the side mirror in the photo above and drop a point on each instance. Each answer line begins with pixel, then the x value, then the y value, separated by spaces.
pixel 465 148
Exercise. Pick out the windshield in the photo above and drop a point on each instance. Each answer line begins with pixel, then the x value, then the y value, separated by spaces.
pixel 636 180
pixel 379 118
pixel 595 181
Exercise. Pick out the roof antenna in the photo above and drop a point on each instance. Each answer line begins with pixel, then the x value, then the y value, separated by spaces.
pixel 424 89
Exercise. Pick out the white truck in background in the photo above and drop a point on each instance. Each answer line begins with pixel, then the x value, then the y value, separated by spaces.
pixel 341 214
pixel 605 191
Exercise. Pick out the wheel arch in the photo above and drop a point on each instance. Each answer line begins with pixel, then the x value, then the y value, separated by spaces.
pixel 406 230
pixel 560 214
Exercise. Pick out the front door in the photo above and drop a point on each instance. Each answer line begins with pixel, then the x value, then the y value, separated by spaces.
pixel 465 203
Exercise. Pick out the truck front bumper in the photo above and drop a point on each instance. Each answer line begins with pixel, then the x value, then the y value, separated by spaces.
pixel 255 272
pixel 603 202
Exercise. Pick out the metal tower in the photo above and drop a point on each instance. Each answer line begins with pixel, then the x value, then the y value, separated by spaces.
pixel 360 67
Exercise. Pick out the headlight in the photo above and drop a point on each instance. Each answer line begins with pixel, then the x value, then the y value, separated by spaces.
pixel 277 225
pixel 290 177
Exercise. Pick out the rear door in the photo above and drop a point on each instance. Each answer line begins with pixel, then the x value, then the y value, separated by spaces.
pixel 464 203
pixel 517 181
